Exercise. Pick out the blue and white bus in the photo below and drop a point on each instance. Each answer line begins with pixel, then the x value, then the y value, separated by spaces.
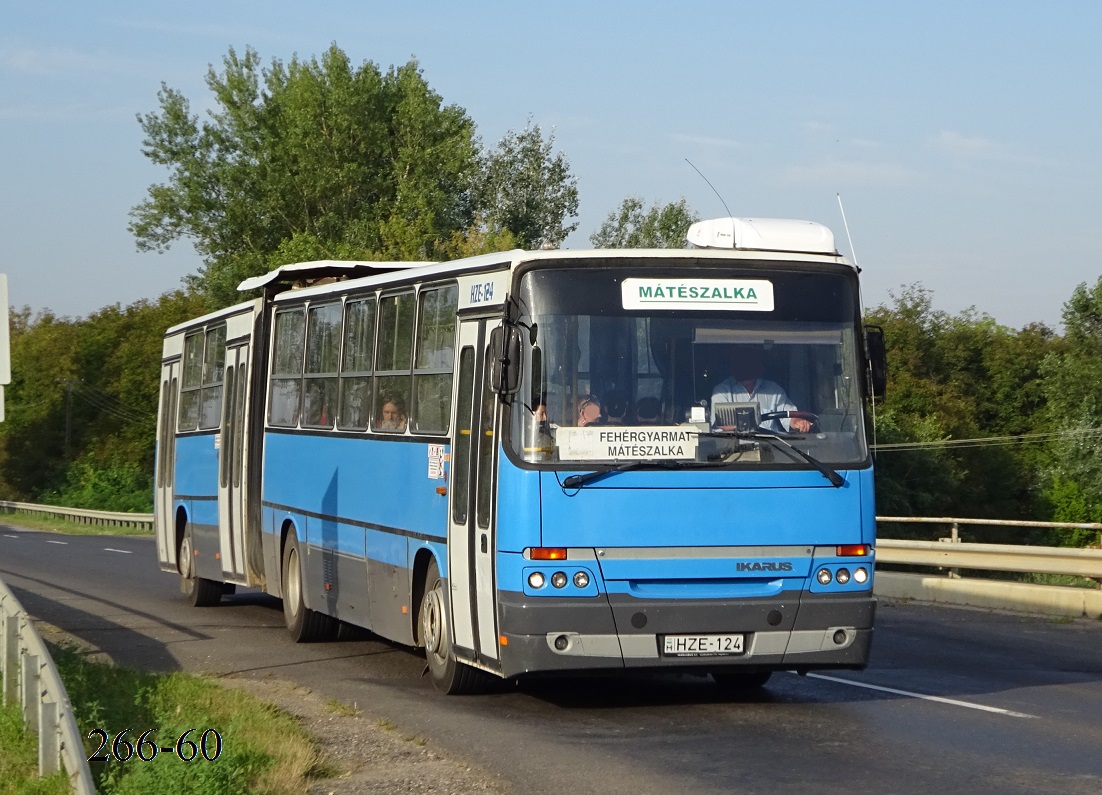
pixel 540 462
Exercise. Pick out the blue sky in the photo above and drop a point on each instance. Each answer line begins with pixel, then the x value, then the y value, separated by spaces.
pixel 963 137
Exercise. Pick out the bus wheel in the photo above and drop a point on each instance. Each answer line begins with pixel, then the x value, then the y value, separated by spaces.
pixel 305 625
pixel 200 592
pixel 448 674
pixel 741 680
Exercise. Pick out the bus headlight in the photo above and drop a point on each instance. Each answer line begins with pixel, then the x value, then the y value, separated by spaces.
pixel 861 576
pixel 842 576
pixel 824 577
pixel 581 579
pixel 558 579
pixel 536 580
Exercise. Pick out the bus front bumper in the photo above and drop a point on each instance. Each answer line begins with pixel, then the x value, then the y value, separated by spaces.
pixel 800 632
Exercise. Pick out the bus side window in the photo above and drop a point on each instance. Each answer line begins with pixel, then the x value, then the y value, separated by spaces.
pixel 432 372
pixel 356 360
pixel 290 333
pixel 191 381
pixel 393 359
pixel 323 347
pixel 214 365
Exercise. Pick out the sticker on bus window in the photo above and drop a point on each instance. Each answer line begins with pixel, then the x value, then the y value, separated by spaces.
pixel 436 462
pixel 732 295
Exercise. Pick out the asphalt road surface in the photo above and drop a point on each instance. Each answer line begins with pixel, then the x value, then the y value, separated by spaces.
pixel 955 700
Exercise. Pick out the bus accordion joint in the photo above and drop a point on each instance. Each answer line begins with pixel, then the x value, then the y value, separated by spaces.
pixel 548 553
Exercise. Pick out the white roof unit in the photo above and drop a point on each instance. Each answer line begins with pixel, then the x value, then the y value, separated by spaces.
pixel 323 268
pixel 763 234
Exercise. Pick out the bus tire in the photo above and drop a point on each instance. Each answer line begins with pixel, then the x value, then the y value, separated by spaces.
pixel 304 624
pixel 741 680
pixel 199 592
pixel 449 675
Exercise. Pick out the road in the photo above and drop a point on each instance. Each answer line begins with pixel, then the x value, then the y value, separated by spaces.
pixel 955 700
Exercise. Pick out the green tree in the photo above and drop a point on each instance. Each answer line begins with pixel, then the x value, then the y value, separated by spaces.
pixel 958 378
pixel 81 409
pixel 1071 386
pixel 525 189
pixel 318 156
pixel 630 226
pixel 34 428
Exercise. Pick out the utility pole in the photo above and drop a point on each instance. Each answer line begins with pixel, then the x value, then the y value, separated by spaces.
pixel 5 342
pixel 68 415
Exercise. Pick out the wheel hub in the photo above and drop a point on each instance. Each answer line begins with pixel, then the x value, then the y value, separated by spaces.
pixel 186 562
pixel 432 623
pixel 294 582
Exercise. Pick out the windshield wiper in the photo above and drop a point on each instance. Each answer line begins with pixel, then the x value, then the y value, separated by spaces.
pixel 835 479
pixel 577 481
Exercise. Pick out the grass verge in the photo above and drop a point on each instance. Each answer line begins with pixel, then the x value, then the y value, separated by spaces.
pixel 51 525
pixel 261 749
pixel 19 759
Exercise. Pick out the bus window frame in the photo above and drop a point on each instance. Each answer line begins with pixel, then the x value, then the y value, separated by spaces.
pixel 288 376
pixel 190 393
pixel 213 378
pixel 327 416
pixel 349 376
pixel 431 370
pixel 384 376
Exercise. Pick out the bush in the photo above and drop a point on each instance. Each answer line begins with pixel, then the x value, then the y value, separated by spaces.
pixel 119 486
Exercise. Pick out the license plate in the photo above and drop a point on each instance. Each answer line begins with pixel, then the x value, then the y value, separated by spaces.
pixel 703 645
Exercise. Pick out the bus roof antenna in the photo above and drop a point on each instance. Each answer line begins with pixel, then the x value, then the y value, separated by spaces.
pixel 853 253
pixel 849 237
pixel 710 185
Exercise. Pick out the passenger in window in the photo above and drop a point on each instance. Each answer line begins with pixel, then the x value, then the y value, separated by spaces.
pixel 352 410
pixel 539 436
pixel 316 410
pixel 392 414
pixel 539 416
pixel 616 409
pixel 589 411
pixel 746 385
pixel 647 411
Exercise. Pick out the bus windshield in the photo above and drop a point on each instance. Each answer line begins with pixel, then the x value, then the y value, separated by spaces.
pixel 699 361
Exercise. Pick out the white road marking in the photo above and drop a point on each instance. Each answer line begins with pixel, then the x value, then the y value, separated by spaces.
pixel 6 535
pixel 950 701
pixel 63 543
pixel 123 551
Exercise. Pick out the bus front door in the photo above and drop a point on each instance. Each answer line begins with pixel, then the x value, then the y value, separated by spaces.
pixel 471 523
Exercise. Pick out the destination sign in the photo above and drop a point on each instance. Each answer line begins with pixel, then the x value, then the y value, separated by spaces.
pixel 627 443
pixel 743 295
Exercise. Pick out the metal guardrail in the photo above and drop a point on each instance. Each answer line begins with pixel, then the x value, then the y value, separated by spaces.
pixel 30 675
pixel 951 553
pixel 82 515
pixel 992 557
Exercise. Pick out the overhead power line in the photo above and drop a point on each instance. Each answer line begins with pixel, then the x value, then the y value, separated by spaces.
pixel 987 441
pixel 108 403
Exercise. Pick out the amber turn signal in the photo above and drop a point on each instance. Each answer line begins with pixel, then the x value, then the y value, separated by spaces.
pixel 853 551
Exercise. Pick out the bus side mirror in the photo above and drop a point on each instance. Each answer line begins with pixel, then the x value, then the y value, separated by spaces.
pixel 505 347
pixel 878 360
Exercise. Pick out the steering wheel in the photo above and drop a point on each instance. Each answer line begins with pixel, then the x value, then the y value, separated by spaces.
pixel 794 415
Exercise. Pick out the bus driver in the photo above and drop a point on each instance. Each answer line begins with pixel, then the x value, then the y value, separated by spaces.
pixel 746 385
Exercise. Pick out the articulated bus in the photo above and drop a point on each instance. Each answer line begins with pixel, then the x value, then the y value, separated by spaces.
pixel 541 462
